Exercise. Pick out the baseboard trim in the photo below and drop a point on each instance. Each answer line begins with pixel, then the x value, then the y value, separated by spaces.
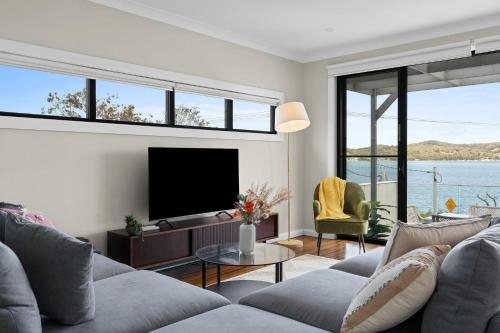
pixel 301 232
pixel 284 235
pixel 313 233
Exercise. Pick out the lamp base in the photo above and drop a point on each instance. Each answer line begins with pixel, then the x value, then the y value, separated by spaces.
pixel 292 243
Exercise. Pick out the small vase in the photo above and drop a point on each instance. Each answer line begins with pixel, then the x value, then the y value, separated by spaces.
pixel 247 238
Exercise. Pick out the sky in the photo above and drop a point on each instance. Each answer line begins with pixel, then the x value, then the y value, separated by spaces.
pixel 478 104
pixel 25 91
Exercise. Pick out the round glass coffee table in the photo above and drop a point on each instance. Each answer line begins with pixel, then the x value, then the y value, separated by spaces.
pixel 229 255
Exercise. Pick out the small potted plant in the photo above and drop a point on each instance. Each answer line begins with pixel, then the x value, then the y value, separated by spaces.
pixel 253 206
pixel 134 227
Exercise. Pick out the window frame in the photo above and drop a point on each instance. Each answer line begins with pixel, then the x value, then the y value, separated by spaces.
pixel 90 83
pixel 401 156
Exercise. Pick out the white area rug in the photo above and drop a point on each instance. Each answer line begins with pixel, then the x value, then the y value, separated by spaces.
pixel 292 268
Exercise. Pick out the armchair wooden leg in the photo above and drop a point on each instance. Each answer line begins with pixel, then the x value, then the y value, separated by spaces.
pixel 359 244
pixel 320 236
pixel 362 237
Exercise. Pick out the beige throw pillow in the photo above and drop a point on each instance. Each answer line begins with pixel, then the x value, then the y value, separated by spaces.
pixel 395 292
pixel 406 237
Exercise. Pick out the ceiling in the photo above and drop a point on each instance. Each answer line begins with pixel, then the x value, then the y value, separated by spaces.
pixel 306 31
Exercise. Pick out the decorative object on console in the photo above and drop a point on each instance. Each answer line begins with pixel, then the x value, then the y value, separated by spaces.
pixel 253 206
pixel 290 117
pixel 134 227
pixel 395 292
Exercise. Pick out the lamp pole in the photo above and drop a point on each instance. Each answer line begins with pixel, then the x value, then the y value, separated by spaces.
pixel 293 243
pixel 290 117
pixel 289 186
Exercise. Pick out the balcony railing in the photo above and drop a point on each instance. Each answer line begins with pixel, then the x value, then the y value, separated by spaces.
pixel 421 195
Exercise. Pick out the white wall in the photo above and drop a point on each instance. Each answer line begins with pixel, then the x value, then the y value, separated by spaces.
pixel 87 183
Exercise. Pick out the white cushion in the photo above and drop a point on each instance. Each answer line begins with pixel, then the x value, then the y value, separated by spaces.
pixel 406 237
pixel 395 292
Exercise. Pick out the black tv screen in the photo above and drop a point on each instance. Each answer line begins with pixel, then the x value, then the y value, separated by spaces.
pixel 188 181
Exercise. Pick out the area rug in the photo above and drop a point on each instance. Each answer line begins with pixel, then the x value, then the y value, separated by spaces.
pixel 292 268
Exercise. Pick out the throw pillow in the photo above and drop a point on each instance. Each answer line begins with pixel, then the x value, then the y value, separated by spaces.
pixel 29 216
pixel 59 268
pixel 395 292
pixel 3 216
pixel 18 308
pixel 468 290
pixel 8 208
pixel 406 237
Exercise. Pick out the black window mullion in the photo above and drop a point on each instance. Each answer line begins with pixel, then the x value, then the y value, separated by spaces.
pixel 341 127
pixel 90 97
pixel 402 142
pixel 228 114
pixel 273 119
pixel 170 107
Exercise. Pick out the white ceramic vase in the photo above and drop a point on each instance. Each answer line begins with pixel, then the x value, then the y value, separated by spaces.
pixel 247 238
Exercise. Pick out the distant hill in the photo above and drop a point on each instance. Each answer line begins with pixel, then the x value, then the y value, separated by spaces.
pixel 438 150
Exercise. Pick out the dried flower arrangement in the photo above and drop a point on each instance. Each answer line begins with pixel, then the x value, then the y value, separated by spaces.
pixel 255 203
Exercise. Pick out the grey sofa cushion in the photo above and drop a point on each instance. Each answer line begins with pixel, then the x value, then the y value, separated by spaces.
pixel 18 308
pixel 103 267
pixel 494 324
pixel 468 293
pixel 319 298
pixel 362 265
pixel 241 319
pixel 141 301
pixel 59 268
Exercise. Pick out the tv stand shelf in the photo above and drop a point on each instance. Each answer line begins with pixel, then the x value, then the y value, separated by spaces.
pixel 172 246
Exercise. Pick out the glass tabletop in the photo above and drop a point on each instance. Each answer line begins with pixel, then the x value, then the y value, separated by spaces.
pixel 229 254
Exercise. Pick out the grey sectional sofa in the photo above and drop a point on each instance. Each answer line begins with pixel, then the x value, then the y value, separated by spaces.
pixel 131 301
pixel 318 300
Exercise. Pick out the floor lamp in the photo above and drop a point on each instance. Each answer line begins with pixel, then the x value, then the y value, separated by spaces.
pixel 290 117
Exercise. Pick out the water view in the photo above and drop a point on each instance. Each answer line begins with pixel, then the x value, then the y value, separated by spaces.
pixel 466 182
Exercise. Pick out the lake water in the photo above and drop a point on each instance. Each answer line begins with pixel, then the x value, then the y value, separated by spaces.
pixel 462 181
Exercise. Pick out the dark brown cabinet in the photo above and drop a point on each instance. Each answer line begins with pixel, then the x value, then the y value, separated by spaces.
pixel 161 248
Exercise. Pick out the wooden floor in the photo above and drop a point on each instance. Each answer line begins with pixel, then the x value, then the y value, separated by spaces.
pixel 335 249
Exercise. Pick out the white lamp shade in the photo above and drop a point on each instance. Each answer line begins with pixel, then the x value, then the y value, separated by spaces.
pixel 291 117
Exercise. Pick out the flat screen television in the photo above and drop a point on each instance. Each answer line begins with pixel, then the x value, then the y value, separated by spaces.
pixel 189 181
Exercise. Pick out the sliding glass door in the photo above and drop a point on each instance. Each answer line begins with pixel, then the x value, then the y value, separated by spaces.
pixel 452 148
pixel 372 138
